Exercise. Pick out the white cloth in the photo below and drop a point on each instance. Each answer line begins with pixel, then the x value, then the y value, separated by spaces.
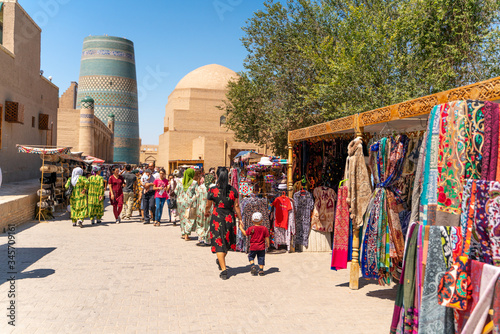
pixel 156 175
pixel 77 172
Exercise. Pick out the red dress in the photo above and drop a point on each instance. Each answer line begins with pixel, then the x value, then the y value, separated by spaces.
pixel 117 187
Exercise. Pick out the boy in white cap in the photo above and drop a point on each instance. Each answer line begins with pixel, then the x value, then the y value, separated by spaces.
pixel 259 240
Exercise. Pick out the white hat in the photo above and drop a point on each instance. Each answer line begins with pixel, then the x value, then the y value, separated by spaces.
pixel 265 161
pixel 282 186
pixel 257 217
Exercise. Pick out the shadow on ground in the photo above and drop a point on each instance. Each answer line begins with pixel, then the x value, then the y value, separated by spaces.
pixel 384 294
pixel 24 258
pixel 246 270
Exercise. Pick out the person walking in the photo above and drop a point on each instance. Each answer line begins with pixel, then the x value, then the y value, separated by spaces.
pixel 161 195
pixel 259 240
pixel 172 199
pixel 224 199
pixel 148 196
pixel 128 192
pixel 137 193
pixel 78 199
pixel 115 184
pixel 185 193
pixel 202 222
pixel 96 197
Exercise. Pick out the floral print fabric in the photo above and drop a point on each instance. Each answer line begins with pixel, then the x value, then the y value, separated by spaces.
pixel 304 205
pixel 493 207
pixel 324 209
pixel 223 226
pixel 185 199
pixel 341 234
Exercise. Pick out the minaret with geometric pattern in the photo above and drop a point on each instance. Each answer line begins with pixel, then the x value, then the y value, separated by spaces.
pixel 108 76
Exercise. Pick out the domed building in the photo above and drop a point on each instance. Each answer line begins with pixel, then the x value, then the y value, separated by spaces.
pixel 194 128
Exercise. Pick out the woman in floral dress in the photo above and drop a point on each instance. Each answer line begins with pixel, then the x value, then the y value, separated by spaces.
pixel 78 199
pixel 186 194
pixel 96 197
pixel 224 199
pixel 202 222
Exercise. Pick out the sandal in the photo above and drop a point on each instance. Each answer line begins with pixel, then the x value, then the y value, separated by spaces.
pixel 261 272
pixel 254 271
pixel 224 275
pixel 217 261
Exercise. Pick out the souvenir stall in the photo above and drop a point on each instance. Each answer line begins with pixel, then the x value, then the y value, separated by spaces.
pixel 447 180
pixel 262 188
pixel 390 174
pixel 51 181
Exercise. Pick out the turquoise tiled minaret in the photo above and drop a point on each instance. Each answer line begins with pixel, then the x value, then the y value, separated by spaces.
pixel 107 74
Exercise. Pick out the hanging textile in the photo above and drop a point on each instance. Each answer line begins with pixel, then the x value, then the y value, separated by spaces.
pixel 383 241
pixel 43 150
pixel 341 235
pixel 357 182
pixel 493 228
pixel 252 205
pixel 491 127
pixel 324 209
pixel 304 204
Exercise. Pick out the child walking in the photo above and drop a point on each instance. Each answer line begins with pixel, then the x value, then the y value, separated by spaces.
pixel 259 240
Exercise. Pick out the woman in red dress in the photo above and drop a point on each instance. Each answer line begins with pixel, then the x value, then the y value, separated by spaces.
pixel 224 199
pixel 115 184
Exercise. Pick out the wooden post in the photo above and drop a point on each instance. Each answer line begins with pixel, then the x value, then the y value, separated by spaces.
pixel 41 191
pixel 354 275
pixel 290 171
pixel 290 182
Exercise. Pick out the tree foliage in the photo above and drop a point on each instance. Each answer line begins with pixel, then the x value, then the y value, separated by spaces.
pixel 314 60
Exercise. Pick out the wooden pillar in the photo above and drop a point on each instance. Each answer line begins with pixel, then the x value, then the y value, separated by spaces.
pixel 290 170
pixel 354 275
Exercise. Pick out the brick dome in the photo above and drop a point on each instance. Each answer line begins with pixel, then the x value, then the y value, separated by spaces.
pixel 207 77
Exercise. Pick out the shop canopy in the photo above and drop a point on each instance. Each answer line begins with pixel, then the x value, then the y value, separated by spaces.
pixel 43 150
pixel 93 160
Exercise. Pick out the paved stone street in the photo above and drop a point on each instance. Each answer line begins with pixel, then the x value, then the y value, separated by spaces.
pixel 135 278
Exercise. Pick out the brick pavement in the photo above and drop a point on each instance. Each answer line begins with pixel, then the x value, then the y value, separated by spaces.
pixel 135 278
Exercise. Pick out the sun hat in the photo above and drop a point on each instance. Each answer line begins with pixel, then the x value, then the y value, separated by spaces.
pixel 257 217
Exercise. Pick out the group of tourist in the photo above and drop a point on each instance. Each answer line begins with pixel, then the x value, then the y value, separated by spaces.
pixel 204 203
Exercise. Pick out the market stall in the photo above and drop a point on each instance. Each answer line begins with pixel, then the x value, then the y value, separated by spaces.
pixel 407 119
pixel 444 247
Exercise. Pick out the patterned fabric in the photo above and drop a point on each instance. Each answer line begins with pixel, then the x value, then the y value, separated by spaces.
pixel 252 205
pixel 282 236
pixel 451 157
pixel 44 151
pixel 434 318
pixel 246 189
pixel 493 207
pixel 490 148
pixel 304 205
pixel 475 135
pixel 223 226
pixel 481 220
pixel 383 242
pixel 96 191
pixel 202 222
pixel 341 234
pixel 324 209
pixel 185 199
pixel 78 199
pixel 476 273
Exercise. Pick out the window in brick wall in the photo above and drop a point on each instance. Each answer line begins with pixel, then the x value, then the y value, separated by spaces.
pixel 33 121
pixel 43 122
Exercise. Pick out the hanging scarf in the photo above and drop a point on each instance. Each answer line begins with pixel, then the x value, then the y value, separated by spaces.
pixel 77 172
pixel 493 207
pixel 341 234
pixel 188 178
pixel 475 142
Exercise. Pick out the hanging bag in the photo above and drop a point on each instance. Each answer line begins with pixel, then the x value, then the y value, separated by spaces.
pixel 455 286
pixel 69 191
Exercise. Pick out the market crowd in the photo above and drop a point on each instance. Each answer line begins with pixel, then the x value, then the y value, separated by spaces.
pixel 203 203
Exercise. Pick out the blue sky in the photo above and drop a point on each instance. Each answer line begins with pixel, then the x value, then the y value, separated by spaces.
pixel 171 37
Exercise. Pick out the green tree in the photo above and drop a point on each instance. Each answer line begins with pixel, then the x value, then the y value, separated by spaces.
pixel 311 61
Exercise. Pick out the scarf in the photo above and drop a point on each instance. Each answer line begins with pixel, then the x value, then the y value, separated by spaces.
pixel 358 182
pixel 188 178
pixel 77 172
pixel 209 179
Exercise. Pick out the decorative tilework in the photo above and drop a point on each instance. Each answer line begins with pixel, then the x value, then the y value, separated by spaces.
pixel 107 74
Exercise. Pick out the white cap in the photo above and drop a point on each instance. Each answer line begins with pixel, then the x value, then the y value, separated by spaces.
pixel 257 217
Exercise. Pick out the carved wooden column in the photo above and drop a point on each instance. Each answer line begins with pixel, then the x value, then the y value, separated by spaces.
pixel 290 170
pixel 354 275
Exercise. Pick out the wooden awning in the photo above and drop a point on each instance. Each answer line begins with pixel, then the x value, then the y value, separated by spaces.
pixel 408 113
